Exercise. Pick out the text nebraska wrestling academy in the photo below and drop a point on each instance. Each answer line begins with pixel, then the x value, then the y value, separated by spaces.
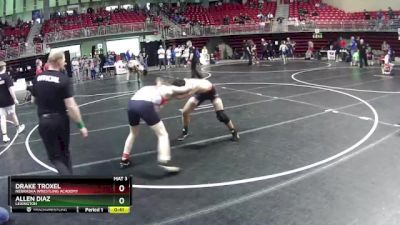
pixel 41 188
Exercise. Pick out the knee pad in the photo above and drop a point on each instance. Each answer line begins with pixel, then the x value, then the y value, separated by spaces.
pixel 222 117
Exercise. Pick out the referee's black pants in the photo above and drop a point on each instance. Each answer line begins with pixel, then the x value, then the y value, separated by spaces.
pixel 363 60
pixel 54 131
pixel 250 57
pixel 264 54
pixel 193 68
pixel 161 62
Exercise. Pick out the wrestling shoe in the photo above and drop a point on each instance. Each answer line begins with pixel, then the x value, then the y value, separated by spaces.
pixel 168 167
pixel 183 136
pixel 125 163
pixel 6 138
pixel 235 136
pixel 20 128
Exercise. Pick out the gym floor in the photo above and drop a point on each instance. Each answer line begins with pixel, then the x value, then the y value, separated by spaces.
pixel 319 146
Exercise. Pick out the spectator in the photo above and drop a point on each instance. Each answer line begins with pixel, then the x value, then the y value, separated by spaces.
pixel 353 45
pixel 390 13
pixel 226 20
pixel 385 46
pixel 247 17
pixel 336 47
pixel 342 43
pixel 366 15
pixel 39 67
pixel 260 4
pixel 97 62
pixel 178 54
pixel 310 50
pixel 99 19
pixel 92 66
pixel 185 55
pixel 379 16
pixel 241 16
pixel 46 66
pixel 143 60
pixel 302 12
pixel 254 53
pixel 161 57
pixel 90 10
pixel 370 55
pixel 236 19
pixel 128 55
pixel 169 57
pixel 391 53
pixel 204 57
pixel 86 68
pixel 387 66
pixel 76 70
pixel 270 16
pixel 260 16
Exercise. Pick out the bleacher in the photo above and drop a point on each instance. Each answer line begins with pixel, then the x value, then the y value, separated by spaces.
pixel 14 35
pixel 325 12
pixel 87 20
pixel 373 15
pixel 214 15
pixel 328 13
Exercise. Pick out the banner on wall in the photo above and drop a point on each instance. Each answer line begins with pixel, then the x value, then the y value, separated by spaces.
pixel 73 7
pixel 123 45
pixel 74 50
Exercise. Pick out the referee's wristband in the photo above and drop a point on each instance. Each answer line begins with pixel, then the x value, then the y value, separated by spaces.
pixel 80 125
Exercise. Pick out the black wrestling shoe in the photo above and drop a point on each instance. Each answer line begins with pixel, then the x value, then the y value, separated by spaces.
pixel 235 136
pixel 125 163
pixel 183 136
pixel 168 167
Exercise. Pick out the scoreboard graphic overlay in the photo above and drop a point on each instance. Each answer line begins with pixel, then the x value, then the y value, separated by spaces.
pixel 74 194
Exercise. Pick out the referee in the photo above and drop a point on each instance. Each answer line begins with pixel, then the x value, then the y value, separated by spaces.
pixel 54 97
pixel 194 60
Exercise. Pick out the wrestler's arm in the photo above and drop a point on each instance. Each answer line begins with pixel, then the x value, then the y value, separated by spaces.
pixel 180 90
pixel 182 96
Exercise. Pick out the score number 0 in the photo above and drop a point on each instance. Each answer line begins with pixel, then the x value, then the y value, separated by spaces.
pixel 121 200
